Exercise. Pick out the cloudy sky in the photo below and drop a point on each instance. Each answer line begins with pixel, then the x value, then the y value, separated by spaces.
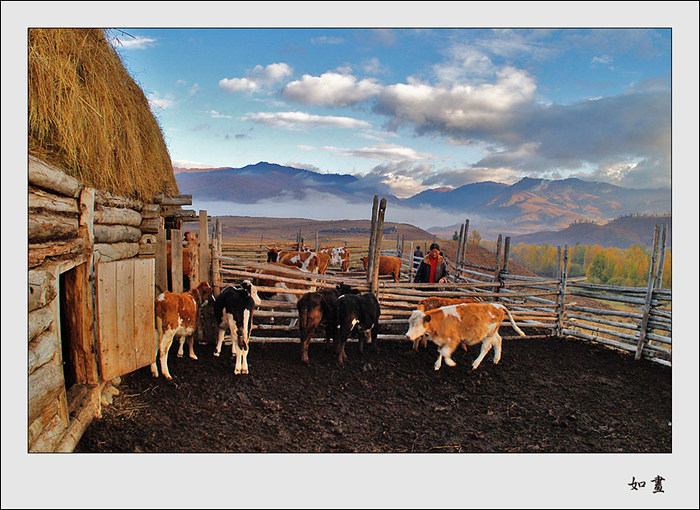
pixel 413 108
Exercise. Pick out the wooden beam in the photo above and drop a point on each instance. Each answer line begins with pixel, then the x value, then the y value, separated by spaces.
pixel 171 200
pixel 51 178
pixel 204 255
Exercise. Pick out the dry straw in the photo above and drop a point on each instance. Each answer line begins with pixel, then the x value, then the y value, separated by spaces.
pixel 89 117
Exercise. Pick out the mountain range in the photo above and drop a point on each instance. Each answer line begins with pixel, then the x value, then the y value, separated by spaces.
pixel 530 205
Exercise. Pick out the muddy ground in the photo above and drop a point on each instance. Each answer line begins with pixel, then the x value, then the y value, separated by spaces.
pixel 545 395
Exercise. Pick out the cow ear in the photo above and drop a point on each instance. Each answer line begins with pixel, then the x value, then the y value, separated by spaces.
pixel 427 318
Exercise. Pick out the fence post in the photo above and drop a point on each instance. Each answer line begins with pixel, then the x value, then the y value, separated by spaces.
pixel 216 259
pixel 464 243
pixel 161 259
pixel 176 260
pixel 459 245
pixel 372 240
pixel 374 285
pixel 411 262
pixel 403 241
pixel 647 301
pixel 497 274
pixel 562 292
pixel 203 247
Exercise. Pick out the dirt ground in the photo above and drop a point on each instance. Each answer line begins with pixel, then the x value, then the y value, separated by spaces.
pixel 545 395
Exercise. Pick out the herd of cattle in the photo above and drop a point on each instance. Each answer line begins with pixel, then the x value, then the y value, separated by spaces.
pixel 448 322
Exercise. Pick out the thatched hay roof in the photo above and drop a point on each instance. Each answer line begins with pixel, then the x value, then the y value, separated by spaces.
pixel 89 117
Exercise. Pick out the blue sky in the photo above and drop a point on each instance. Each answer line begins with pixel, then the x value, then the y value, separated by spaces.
pixel 413 108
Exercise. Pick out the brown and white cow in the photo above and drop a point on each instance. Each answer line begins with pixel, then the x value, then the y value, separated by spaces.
pixel 309 261
pixel 176 315
pixel 433 302
pixel 340 256
pixel 278 269
pixel 471 323
pixel 388 265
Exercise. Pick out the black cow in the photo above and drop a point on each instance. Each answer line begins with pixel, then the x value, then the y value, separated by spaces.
pixel 356 311
pixel 233 309
pixel 315 308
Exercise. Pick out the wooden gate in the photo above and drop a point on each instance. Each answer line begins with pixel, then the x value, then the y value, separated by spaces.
pixel 125 315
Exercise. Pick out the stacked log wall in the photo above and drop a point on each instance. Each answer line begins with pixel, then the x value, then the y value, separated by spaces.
pixel 70 225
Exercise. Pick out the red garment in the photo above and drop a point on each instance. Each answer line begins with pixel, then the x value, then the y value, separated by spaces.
pixel 433 264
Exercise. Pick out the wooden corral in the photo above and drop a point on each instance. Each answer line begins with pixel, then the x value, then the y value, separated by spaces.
pixel 544 307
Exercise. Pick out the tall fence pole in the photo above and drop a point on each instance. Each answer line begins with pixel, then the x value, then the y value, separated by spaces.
pixel 647 301
pixel 374 284
pixel 497 274
pixel 372 239
pixel 203 247
pixel 176 260
pixel 459 245
pixel 216 259
pixel 561 307
pixel 411 262
pixel 464 242
pixel 161 259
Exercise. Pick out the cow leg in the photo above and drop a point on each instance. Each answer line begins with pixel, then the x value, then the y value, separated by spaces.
pixel 244 348
pixel 438 362
pixel 485 347
pixel 190 344
pixel 165 344
pixel 222 333
pixel 239 356
pixel 180 351
pixel 159 336
pixel 446 351
pixel 497 347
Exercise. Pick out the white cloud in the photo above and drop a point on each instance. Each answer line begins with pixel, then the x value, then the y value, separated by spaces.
pixel 460 107
pixel 238 85
pixel 216 115
pixel 272 72
pixel 327 40
pixel 389 151
pixel 301 120
pixel 155 100
pixel 331 89
pixel 259 78
pixel 182 163
pixel 128 42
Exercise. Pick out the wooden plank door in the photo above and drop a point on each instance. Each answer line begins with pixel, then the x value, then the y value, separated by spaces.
pixel 125 323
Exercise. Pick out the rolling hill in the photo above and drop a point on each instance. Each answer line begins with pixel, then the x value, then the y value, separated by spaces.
pixel 528 206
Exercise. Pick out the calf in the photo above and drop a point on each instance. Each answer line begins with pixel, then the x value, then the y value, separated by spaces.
pixel 433 302
pixel 315 308
pixel 176 315
pixel 305 260
pixel 233 309
pixel 388 265
pixel 339 256
pixel 466 323
pixel 353 311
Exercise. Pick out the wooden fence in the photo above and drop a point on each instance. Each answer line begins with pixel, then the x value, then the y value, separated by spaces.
pixel 542 307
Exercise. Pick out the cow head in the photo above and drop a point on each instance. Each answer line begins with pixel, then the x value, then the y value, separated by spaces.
pixel 365 261
pixel 202 293
pixel 250 289
pixel 342 289
pixel 416 324
pixel 272 254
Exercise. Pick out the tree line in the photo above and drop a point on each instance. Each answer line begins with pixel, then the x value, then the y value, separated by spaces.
pixel 607 266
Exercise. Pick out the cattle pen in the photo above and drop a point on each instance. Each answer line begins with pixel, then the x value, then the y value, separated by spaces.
pixel 544 307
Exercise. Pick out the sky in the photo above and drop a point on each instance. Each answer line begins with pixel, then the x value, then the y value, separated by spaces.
pixel 413 108
pixel 589 103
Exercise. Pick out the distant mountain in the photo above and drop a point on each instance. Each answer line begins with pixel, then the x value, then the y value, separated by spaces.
pixel 532 204
pixel 529 205
pixel 267 180
pixel 621 233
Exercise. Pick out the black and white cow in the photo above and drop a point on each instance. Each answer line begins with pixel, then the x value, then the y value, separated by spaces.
pixel 315 308
pixel 358 312
pixel 233 310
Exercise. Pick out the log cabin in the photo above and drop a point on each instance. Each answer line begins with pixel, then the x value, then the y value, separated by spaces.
pixel 99 182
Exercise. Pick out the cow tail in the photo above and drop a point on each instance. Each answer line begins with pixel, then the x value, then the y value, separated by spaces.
pixel 515 326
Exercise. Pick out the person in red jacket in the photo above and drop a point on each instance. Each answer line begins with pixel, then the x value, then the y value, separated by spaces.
pixel 433 268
